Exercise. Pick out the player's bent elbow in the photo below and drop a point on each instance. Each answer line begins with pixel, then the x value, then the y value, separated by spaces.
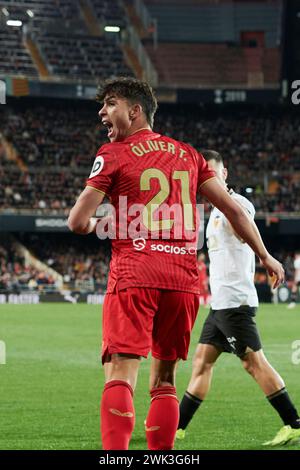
pixel 72 226
pixel 75 225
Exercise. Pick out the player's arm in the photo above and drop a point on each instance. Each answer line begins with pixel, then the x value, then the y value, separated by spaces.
pixel 245 228
pixel 81 218
pixel 249 217
pixel 251 220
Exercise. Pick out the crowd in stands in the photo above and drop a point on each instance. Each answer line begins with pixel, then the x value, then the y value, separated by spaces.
pixel 57 144
pixel 83 265
pixel 16 275
pixel 54 136
pixel 53 192
pixel 261 151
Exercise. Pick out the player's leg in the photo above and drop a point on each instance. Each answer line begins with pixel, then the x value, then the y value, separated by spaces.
pixel 211 344
pixel 162 418
pixel 199 385
pixel 127 326
pixel 122 367
pixel 170 341
pixel 242 335
pixel 257 365
pixel 117 409
pixel 207 352
pixel 203 363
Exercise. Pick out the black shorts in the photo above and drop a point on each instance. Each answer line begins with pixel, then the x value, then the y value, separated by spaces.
pixel 232 330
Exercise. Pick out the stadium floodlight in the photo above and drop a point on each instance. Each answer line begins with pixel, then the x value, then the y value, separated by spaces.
pixel 30 13
pixel 5 11
pixel 112 29
pixel 14 23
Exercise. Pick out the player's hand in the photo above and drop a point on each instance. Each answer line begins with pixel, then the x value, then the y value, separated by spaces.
pixel 275 270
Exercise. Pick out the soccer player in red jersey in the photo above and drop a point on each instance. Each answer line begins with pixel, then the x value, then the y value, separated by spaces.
pixel 152 295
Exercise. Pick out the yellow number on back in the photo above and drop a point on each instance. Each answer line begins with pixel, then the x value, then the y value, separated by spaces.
pixel 156 201
pixel 162 195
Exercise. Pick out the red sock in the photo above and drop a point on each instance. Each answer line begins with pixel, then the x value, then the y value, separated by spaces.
pixel 162 419
pixel 117 415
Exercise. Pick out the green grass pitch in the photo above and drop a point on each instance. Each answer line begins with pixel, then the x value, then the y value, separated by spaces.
pixel 51 383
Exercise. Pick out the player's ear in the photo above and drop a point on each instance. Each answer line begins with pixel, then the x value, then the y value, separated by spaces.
pixel 135 111
pixel 225 173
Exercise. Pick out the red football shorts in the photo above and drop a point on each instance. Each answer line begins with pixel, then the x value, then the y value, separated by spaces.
pixel 137 320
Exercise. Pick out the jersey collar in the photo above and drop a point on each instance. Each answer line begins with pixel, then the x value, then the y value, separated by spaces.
pixel 140 133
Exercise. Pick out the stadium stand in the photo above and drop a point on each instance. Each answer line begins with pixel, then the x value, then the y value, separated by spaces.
pixel 210 43
pixel 82 57
pixel 224 51
pixel 16 275
pixel 14 57
pixel 255 144
pixel 215 64
pixel 215 22
pixel 110 11
pixel 83 268
pixel 58 36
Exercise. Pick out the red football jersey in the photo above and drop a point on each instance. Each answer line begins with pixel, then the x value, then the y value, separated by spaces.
pixel 153 172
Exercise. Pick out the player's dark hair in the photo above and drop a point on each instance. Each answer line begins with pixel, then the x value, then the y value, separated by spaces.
pixel 211 155
pixel 133 90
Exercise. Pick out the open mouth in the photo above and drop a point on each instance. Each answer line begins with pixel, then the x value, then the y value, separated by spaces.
pixel 109 127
